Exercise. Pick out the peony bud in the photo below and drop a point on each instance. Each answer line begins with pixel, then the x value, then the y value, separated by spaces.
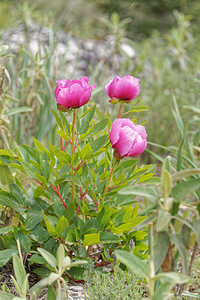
pixel 127 138
pixel 73 94
pixel 125 88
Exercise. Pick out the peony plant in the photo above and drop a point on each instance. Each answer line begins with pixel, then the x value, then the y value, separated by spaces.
pixel 72 195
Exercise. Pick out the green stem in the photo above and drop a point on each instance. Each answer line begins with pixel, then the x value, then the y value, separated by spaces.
pixel 108 182
pixel 120 110
pixel 73 151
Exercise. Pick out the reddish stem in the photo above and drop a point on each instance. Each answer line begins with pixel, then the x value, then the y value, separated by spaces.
pixel 80 165
pixel 57 191
pixel 66 144
pixel 102 264
pixel 61 144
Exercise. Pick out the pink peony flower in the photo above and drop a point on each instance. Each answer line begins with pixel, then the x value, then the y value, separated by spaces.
pixel 73 93
pixel 124 88
pixel 127 138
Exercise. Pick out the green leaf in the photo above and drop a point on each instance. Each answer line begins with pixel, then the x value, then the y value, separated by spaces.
pixel 182 189
pixel 51 295
pixel 125 228
pixel 5 255
pixel 100 125
pixel 99 143
pixel 86 151
pixel 163 220
pixel 5 175
pixel 163 290
pixel 142 191
pixel 6 296
pixel 61 225
pixel 133 263
pixel 19 195
pixel 185 173
pixel 109 237
pixel 177 240
pixel 6 230
pixel 33 219
pixel 166 183
pixel 18 110
pixel 60 255
pixel 91 239
pixel 175 277
pixel 20 273
pixel 160 249
pixel 197 229
pixel 51 260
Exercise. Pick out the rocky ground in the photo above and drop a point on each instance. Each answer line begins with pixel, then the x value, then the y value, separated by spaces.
pixel 79 55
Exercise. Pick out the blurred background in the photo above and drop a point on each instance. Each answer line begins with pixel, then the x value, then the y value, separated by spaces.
pixel 157 41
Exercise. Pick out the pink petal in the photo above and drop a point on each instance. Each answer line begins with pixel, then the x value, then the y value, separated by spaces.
pixel 128 122
pixel 111 87
pixel 85 97
pixel 126 140
pixel 138 147
pixel 127 88
pixel 141 130
pixel 115 130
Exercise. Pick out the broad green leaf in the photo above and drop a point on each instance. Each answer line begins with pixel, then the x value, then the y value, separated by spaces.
pixel 163 220
pixel 51 260
pixel 160 249
pixel 52 277
pixel 182 189
pixel 142 191
pixel 109 237
pixel 5 255
pixel 172 276
pixel 33 219
pixel 61 225
pixel 185 173
pixel 5 175
pixel 125 228
pixel 19 195
pixel 91 239
pixel 163 290
pixel 6 230
pixel 100 125
pixel 133 263
pixel 177 240
pixel 86 151
pixel 51 295
pixel 60 255
pixel 99 143
pixel 20 273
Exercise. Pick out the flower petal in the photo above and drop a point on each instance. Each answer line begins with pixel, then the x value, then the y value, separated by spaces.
pixel 126 139
pixel 138 147
pixel 115 130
